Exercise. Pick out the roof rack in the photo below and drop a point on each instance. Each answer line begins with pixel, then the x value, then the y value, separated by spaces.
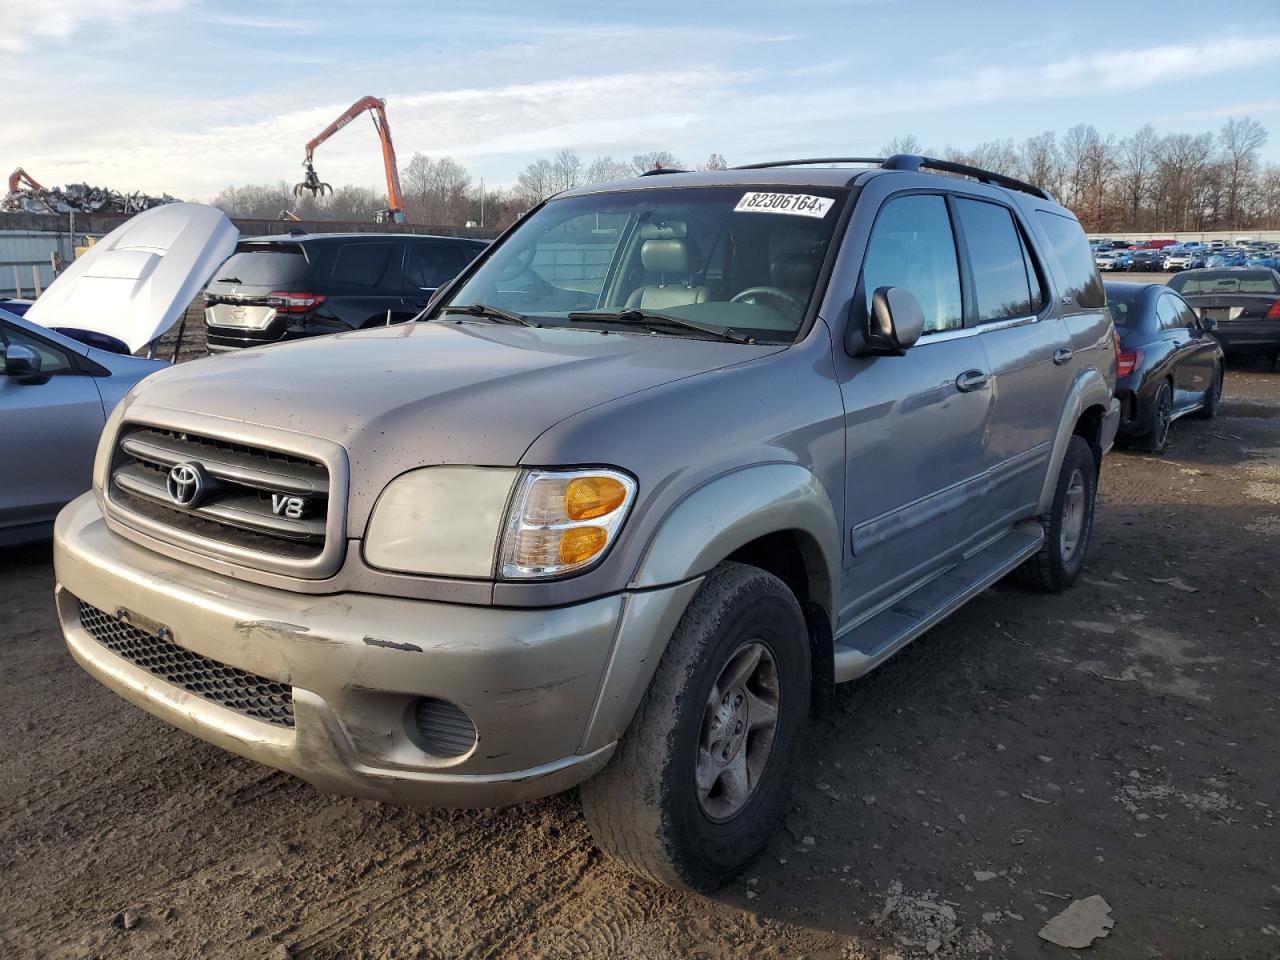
pixel 658 171
pixel 914 164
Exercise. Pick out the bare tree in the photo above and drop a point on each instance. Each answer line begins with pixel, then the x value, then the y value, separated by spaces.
pixel 1137 161
pixel 644 162
pixel 536 182
pixel 715 162
pixel 1040 161
pixel 905 144
pixel 566 170
pixel 607 168
pixel 1240 140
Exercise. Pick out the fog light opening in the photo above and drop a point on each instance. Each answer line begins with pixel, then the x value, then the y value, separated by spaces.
pixel 441 728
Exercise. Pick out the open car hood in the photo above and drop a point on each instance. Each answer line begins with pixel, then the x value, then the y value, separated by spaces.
pixel 134 283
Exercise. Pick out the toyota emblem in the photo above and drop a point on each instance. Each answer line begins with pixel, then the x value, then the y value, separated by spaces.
pixel 186 484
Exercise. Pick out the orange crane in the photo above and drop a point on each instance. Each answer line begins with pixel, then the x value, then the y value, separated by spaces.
pixel 20 178
pixel 377 110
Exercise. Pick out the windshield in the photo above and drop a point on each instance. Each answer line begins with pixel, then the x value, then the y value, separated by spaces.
pixel 740 259
pixel 1225 282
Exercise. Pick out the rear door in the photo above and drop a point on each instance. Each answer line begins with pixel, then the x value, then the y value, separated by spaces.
pixel 914 424
pixel 50 433
pixel 366 282
pixel 1027 348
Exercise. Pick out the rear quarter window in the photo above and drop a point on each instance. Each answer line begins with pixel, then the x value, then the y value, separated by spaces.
pixel 1077 271
pixel 366 265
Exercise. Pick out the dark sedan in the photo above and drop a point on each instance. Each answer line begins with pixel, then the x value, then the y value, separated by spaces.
pixel 1245 304
pixel 1145 261
pixel 1168 366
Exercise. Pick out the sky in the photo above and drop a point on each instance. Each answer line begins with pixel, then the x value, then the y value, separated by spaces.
pixel 188 97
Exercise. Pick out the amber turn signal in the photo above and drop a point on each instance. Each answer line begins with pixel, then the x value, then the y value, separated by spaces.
pixel 588 497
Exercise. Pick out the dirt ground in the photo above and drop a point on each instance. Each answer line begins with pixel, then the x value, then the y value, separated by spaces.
pixel 1117 740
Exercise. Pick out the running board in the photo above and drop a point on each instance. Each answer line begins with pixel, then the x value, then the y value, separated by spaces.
pixel 870 643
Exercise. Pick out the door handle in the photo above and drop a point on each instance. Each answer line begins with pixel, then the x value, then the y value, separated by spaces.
pixel 1062 355
pixel 971 380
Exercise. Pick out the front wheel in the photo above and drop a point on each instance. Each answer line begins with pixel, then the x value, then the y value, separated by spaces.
pixel 699 780
pixel 1068 525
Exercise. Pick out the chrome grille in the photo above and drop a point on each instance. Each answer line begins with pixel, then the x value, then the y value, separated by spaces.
pixel 242 505
pixel 245 693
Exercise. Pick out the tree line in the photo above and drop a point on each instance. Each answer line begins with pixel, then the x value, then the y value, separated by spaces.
pixel 1144 182
pixel 1141 183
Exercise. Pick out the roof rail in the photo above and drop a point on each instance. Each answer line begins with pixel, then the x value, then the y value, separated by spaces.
pixel 658 171
pixel 878 161
pixel 914 164
pixel 909 161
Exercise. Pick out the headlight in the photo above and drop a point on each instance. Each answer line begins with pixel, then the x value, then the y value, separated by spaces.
pixel 453 521
pixel 440 520
pixel 562 521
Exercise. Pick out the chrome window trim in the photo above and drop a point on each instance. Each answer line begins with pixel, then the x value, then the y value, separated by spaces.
pixel 941 336
pixel 325 564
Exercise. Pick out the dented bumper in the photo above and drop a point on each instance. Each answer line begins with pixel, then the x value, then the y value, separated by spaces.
pixel 536 685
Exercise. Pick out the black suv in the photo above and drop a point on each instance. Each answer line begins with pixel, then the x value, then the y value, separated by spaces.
pixel 286 287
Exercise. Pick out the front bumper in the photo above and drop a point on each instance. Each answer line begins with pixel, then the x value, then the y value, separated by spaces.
pixel 538 685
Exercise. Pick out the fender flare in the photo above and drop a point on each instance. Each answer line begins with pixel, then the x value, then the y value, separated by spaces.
pixel 735 508
pixel 1088 390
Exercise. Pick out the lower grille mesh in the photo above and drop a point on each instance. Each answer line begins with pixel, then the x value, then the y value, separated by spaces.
pixel 245 693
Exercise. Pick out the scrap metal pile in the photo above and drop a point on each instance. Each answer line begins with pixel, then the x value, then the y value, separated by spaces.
pixel 81 198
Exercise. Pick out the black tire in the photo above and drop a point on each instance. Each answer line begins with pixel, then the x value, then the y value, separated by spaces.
pixel 1212 396
pixel 1055 567
pixel 1161 420
pixel 644 808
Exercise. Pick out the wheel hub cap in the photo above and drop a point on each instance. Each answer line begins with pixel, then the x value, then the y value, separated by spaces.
pixel 1073 515
pixel 738 729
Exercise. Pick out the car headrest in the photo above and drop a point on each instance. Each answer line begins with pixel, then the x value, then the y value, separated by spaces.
pixel 669 257
pixel 664 230
pixel 799 270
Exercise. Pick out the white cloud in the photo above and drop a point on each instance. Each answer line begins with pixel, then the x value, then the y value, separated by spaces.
pixel 28 23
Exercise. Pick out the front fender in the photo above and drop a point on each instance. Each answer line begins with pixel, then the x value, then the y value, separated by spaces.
pixel 735 508
pixel 1088 390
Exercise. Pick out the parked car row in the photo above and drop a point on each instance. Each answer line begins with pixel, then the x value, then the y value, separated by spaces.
pixel 1170 256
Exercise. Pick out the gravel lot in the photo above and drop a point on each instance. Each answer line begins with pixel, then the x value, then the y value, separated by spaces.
pixel 1117 740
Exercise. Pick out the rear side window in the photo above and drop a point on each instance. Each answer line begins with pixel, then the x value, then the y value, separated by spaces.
pixel 364 264
pixel 1071 251
pixel 1005 283
pixel 262 265
pixel 1167 314
pixel 431 265
pixel 912 247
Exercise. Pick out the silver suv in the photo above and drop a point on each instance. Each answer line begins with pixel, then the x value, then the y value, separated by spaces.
pixel 671 458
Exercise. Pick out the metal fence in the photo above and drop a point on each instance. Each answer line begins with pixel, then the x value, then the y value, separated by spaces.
pixel 26 260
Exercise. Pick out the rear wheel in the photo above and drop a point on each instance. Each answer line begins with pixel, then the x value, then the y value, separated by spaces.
pixel 1068 525
pixel 1157 440
pixel 701 776
pixel 1212 396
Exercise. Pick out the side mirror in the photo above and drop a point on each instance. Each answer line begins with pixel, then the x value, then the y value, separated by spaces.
pixel 895 323
pixel 23 364
pixel 1208 324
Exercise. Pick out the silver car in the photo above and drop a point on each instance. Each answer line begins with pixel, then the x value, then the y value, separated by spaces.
pixel 55 396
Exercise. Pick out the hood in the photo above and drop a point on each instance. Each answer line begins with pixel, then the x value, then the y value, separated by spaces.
pixel 405 396
pixel 134 283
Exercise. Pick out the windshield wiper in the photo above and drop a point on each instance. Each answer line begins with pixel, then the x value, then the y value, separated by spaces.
pixel 491 313
pixel 229 280
pixel 651 318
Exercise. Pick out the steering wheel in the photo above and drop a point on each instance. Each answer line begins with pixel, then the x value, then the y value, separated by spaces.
pixel 756 294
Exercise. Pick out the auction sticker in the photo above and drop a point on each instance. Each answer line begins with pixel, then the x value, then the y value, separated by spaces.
pixel 796 204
